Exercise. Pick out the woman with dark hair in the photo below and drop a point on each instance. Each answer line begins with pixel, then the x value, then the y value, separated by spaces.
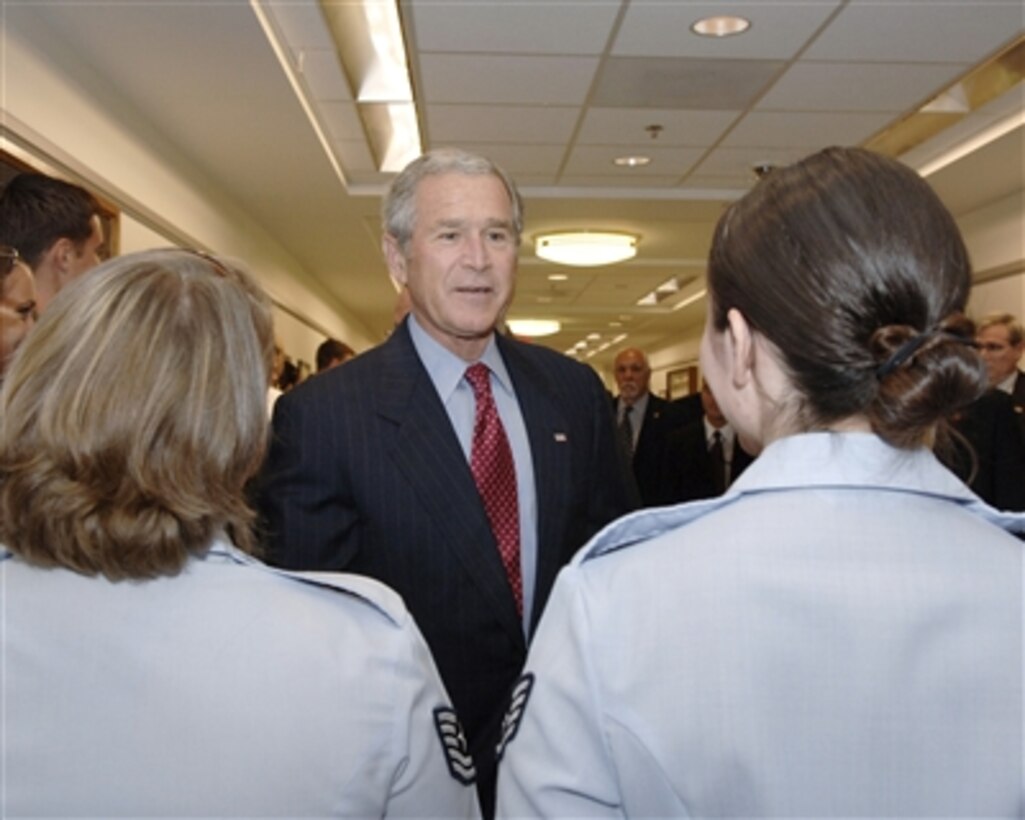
pixel 841 633
pixel 150 666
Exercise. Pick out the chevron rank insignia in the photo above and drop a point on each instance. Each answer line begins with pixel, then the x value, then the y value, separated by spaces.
pixel 453 743
pixel 514 714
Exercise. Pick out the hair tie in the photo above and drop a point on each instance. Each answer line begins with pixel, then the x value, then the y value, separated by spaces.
pixel 911 346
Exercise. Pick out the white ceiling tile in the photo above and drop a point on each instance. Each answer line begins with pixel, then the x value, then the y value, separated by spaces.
pixel 655 28
pixel 625 126
pixel 811 86
pixel 682 83
pixel 811 129
pixel 920 32
pixel 736 163
pixel 597 160
pixel 560 27
pixel 492 123
pixel 464 78
pixel 520 159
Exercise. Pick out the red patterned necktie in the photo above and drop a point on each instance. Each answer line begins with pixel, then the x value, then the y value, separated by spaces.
pixel 491 463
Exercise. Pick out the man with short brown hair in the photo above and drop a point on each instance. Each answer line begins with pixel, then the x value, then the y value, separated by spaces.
pixel 55 227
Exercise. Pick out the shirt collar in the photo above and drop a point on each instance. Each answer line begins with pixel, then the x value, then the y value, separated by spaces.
pixel 639 407
pixel 1007 385
pixel 725 431
pixel 446 369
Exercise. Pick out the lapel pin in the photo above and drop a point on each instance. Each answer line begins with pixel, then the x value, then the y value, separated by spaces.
pixel 560 437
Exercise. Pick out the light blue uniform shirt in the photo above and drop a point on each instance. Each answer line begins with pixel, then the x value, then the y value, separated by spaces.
pixel 229 690
pixel 840 635
pixel 448 374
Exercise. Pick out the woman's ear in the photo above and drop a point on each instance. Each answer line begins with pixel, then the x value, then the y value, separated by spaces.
pixel 740 347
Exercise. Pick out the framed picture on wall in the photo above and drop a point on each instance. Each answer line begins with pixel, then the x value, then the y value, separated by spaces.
pixel 681 382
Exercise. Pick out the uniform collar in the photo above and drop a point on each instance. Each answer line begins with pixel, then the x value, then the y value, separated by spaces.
pixel 807 461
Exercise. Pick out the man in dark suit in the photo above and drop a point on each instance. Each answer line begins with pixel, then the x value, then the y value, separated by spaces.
pixel 990 455
pixel 374 467
pixel 1001 342
pixel 644 421
pixel 704 457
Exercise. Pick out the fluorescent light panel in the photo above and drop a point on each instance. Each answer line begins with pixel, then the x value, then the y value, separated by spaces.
pixel 368 36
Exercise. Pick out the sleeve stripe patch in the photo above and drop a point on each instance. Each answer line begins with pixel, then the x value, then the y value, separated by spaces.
pixel 453 743
pixel 514 714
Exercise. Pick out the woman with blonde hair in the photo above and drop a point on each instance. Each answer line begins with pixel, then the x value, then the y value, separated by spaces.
pixel 840 634
pixel 151 667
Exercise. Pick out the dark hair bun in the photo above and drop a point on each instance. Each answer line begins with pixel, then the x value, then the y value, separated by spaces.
pixel 924 377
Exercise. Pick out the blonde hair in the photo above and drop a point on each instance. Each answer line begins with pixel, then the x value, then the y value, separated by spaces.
pixel 134 416
pixel 1014 329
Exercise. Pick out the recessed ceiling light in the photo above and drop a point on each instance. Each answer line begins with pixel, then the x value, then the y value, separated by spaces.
pixel 557 277
pixel 635 161
pixel 721 26
pixel 593 336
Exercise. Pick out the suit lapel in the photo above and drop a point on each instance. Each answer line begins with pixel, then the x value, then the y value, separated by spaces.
pixel 427 453
pixel 550 449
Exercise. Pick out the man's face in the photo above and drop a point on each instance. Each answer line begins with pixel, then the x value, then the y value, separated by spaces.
pixel 1000 355
pixel 460 264
pixel 17 310
pixel 632 375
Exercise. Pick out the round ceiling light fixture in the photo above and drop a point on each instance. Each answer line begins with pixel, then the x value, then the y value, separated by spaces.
pixel 586 248
pixel 725 26
pixel 534 328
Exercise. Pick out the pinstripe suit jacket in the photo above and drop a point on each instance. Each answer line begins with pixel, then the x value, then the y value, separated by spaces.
pixel 365 473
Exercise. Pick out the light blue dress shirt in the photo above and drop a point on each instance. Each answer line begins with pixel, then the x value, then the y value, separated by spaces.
pixel 839 635
pixel 448 374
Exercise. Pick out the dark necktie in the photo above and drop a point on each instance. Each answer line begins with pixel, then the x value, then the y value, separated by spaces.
pixel 626 431
pixel 717 456
pixel 491 463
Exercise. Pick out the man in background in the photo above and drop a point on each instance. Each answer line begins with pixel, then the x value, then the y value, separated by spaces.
pixel 331 353
pixel 989 454
pixel 55 227
pixel 702 458
pixel 458 466
pixel 644 421
pixel 1001 342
